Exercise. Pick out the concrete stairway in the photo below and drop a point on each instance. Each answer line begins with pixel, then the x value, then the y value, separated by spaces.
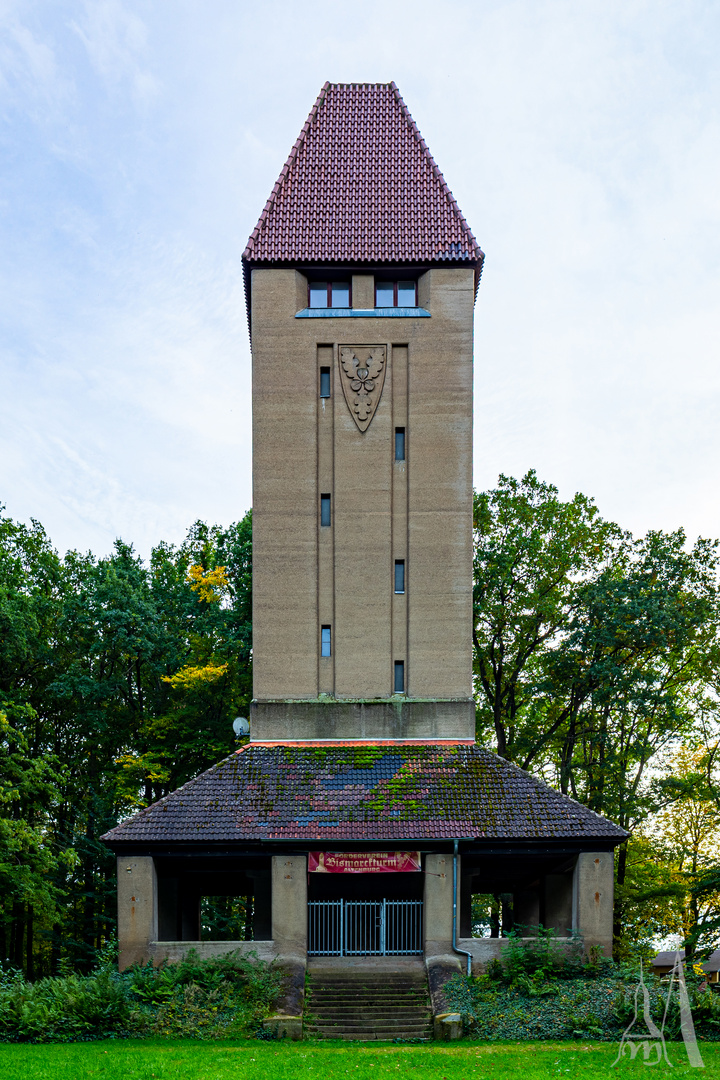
pixel 368 1004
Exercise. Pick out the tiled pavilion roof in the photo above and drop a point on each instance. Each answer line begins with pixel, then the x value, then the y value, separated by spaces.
pixel 382 792
pixel 361 186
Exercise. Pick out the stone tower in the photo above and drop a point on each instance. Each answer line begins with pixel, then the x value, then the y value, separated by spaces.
pixel 361 277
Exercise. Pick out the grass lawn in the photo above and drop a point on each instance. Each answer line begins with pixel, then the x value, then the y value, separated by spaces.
pixel 170 1059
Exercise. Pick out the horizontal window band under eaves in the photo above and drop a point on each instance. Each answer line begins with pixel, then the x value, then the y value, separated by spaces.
pixel 364 313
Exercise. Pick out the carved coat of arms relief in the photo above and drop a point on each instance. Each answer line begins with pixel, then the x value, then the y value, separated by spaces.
pixel 362 374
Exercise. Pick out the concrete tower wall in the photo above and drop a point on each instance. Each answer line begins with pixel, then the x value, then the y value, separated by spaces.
pixel 305 575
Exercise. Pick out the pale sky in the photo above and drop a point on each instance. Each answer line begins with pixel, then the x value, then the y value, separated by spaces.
pixel 139 142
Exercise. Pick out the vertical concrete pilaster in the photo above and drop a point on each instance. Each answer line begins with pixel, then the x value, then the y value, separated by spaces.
pixel 289 904
pixel 438 906
pixel 593 881
pixel 137 908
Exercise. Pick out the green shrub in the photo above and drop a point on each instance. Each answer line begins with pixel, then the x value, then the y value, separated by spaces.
pixel 64 1008
pixel 541 953
pixel 224 996
pixel 599 1007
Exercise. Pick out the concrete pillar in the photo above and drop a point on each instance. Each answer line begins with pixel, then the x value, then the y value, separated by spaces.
pixel 465 905
pixel 168 909
pixel 137 908
pixel 593 899
pixel 189 911
pixel 526 911
pixel 438 907
pixel 558 903
pixel 289 904
pixel 262 906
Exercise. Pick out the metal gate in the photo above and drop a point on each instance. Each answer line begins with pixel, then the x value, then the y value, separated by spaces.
pixel 364 927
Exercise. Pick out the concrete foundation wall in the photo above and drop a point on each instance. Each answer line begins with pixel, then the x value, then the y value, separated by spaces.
pixel 399 719
pixel 173 951
pixel 484 950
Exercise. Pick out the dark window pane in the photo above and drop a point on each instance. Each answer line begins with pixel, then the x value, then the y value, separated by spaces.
pixel 340 294
pixel 384 294
pixel 399 677
pixel 399 575
pixel 325 649
pixel 324 382
pixel 399 443
pixel 406 294
pixel 324 509
pixel 318 294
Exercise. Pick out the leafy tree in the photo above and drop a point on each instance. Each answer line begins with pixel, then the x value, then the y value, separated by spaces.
pixel 590 647
pixel 532 553
pixel 118 682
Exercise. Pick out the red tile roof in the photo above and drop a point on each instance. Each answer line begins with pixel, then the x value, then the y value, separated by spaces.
pixel 361 186
pixel 368 792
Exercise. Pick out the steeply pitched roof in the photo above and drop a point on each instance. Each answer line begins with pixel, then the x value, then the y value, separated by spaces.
pixel 384 792
pixel 361 186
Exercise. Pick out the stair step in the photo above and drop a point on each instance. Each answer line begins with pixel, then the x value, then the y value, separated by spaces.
pixel 364 991
pixel 362 1006
pixel 369 999
pixel 388 1029
pixel 369 1016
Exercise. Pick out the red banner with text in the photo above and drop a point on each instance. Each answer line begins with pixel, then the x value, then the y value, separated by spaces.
pixel 363 862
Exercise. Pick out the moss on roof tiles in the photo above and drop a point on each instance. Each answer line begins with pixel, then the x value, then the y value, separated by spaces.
pixel 390 792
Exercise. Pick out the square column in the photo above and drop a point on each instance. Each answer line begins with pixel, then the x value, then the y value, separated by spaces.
pixel 137 909
pixel 593 883
pixel 438 906
pixel 289 905
pixel 558 903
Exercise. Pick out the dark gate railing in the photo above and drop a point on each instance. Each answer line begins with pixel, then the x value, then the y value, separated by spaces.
pixel 364 927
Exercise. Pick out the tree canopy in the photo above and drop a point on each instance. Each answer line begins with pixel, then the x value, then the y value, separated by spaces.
pixel 596 665
pixel 119 681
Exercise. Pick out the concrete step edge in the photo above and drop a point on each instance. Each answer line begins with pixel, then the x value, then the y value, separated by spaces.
pixel 377 1026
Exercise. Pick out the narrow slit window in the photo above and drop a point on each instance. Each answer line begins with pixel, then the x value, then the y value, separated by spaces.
pixel 399 677
pixel 325 641
pixel 324 382
pixel 325 515
pixel 399 443
pixel 399 575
